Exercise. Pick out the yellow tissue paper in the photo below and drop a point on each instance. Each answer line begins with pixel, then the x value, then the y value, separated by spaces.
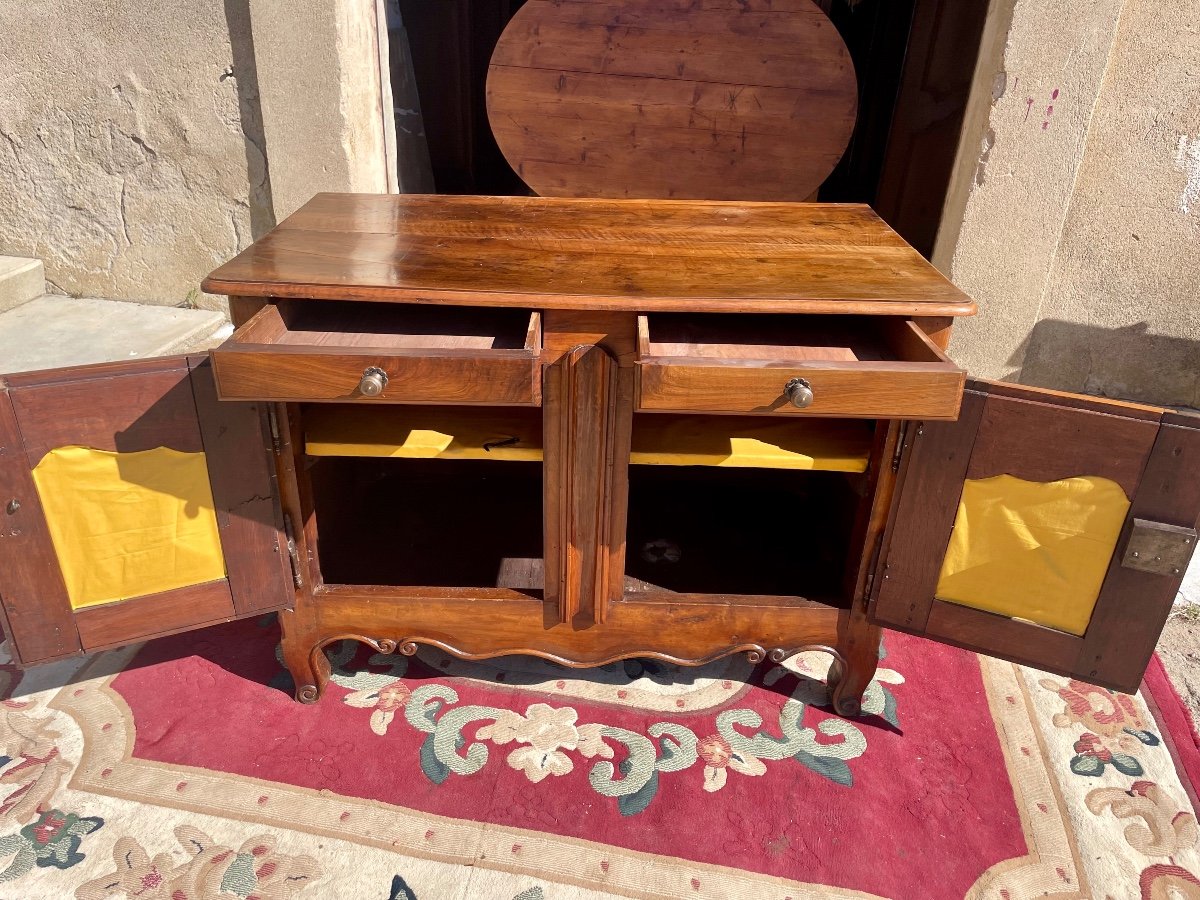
pixel 1033 550
pixel 664 440
pixel 129 524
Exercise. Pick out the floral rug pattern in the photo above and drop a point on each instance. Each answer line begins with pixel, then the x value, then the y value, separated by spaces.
pixel 180 771
pixel 548 739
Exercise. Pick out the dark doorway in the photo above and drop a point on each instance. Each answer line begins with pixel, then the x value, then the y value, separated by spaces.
pixel 915 61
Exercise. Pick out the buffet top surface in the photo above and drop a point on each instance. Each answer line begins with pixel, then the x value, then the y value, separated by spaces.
pixel 622 255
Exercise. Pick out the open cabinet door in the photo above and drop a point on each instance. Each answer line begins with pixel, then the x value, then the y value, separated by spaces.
pixel 1049 529
pixel 133 504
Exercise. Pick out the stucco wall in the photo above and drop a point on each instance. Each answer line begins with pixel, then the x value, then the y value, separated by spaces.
pixel 323 118
pixel 135 137
pixel 1080 236
pixel 125 161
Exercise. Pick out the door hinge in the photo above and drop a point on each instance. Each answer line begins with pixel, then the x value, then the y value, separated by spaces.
pixel 877 562
pixel 293 553
pixel 898 453
pixel 1159 548
pixel 273 422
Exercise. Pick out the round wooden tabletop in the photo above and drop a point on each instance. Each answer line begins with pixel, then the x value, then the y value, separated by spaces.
pixel 689 99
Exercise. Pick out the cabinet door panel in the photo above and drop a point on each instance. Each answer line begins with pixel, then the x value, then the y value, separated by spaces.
pixel 136 505
pixel 37 615
pixel 1009 527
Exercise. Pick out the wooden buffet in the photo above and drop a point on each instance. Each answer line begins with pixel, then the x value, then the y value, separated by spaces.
pixel 591 430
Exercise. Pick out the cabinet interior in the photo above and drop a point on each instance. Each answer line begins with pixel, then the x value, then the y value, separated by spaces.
pixel 709 530
pixel 452 497
pixel 428 522
pixel 782 339
pixel 391 326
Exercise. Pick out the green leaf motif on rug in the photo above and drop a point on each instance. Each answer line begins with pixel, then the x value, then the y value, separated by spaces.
pixel 1093 766
pixel 632 804
pixel 1087 765
pixel 889 708
pixel 1146 737
pixel 831 767
pixel 239 878
pixel 52 841
pixel 546 742
pixel 1127 765
pixel 433 768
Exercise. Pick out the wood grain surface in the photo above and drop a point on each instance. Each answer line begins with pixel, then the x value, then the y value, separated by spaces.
pixel 155 615
pixel 553 253
pixel 1133 605
pixel 428 361
pixel 37 612
pixel 933 465
pixel 720 100
pixel 583 462
pixel 1041 436
pixel 130 407
pixel 242 472
pixel 129 411
pixel 856 367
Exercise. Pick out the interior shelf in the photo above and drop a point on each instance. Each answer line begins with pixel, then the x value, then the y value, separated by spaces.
pixel 755 442
pixel 739 532
pixel 514 434
pixel 462 523
pixel 424 432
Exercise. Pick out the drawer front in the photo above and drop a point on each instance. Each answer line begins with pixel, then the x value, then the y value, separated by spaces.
pixel 492 377
pixel 878 389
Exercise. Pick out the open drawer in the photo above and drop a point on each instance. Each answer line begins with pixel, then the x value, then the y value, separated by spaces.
pixel 852 366
pixel 319 350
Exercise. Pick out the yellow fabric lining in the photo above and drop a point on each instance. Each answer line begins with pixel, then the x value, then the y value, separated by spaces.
pixel 1033 550
pixel 665 440
pixel 423 433
pixel 129 524
pixel 840 445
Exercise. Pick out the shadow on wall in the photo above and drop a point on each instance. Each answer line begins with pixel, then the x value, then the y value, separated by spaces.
pixel 1122 363
pixel 245 75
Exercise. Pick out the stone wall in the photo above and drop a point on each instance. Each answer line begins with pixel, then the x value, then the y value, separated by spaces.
pixel 1080 232
pixel 133 150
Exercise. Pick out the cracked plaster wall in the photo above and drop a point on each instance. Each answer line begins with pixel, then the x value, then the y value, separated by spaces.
pixel 1079 237
pixel 124 161
pixel 319 72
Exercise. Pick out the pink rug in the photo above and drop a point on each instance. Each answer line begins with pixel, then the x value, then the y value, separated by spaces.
pixel 184 771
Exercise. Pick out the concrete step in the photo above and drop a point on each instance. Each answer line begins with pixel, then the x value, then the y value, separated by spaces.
pixel 54 331
pixel 21 279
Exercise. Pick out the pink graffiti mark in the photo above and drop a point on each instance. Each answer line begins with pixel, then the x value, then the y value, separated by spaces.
pixel 1049 109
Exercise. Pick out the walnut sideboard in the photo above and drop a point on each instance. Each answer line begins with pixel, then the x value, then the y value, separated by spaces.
pixel 590 430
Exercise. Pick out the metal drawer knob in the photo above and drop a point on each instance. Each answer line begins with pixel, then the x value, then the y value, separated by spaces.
pixel 800 392
pixel 374 380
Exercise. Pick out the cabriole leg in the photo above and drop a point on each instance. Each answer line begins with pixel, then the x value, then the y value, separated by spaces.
pixel 303 656
pixel 859 647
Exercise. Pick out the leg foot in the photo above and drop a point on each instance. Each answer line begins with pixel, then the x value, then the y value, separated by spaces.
pixel 852 675
pixel 304 658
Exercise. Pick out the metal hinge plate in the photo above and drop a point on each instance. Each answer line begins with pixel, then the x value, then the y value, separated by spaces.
pixel 918 429
pixel 273 423
pixel 293 553
pixel 1158 548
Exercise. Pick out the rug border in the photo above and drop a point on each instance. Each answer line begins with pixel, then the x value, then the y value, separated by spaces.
pixel 1175 724
pixel 92 703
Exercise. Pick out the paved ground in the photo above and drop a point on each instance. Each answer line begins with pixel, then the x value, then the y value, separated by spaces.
pixel 68 331
pixel 52 331
pixel 1179 646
